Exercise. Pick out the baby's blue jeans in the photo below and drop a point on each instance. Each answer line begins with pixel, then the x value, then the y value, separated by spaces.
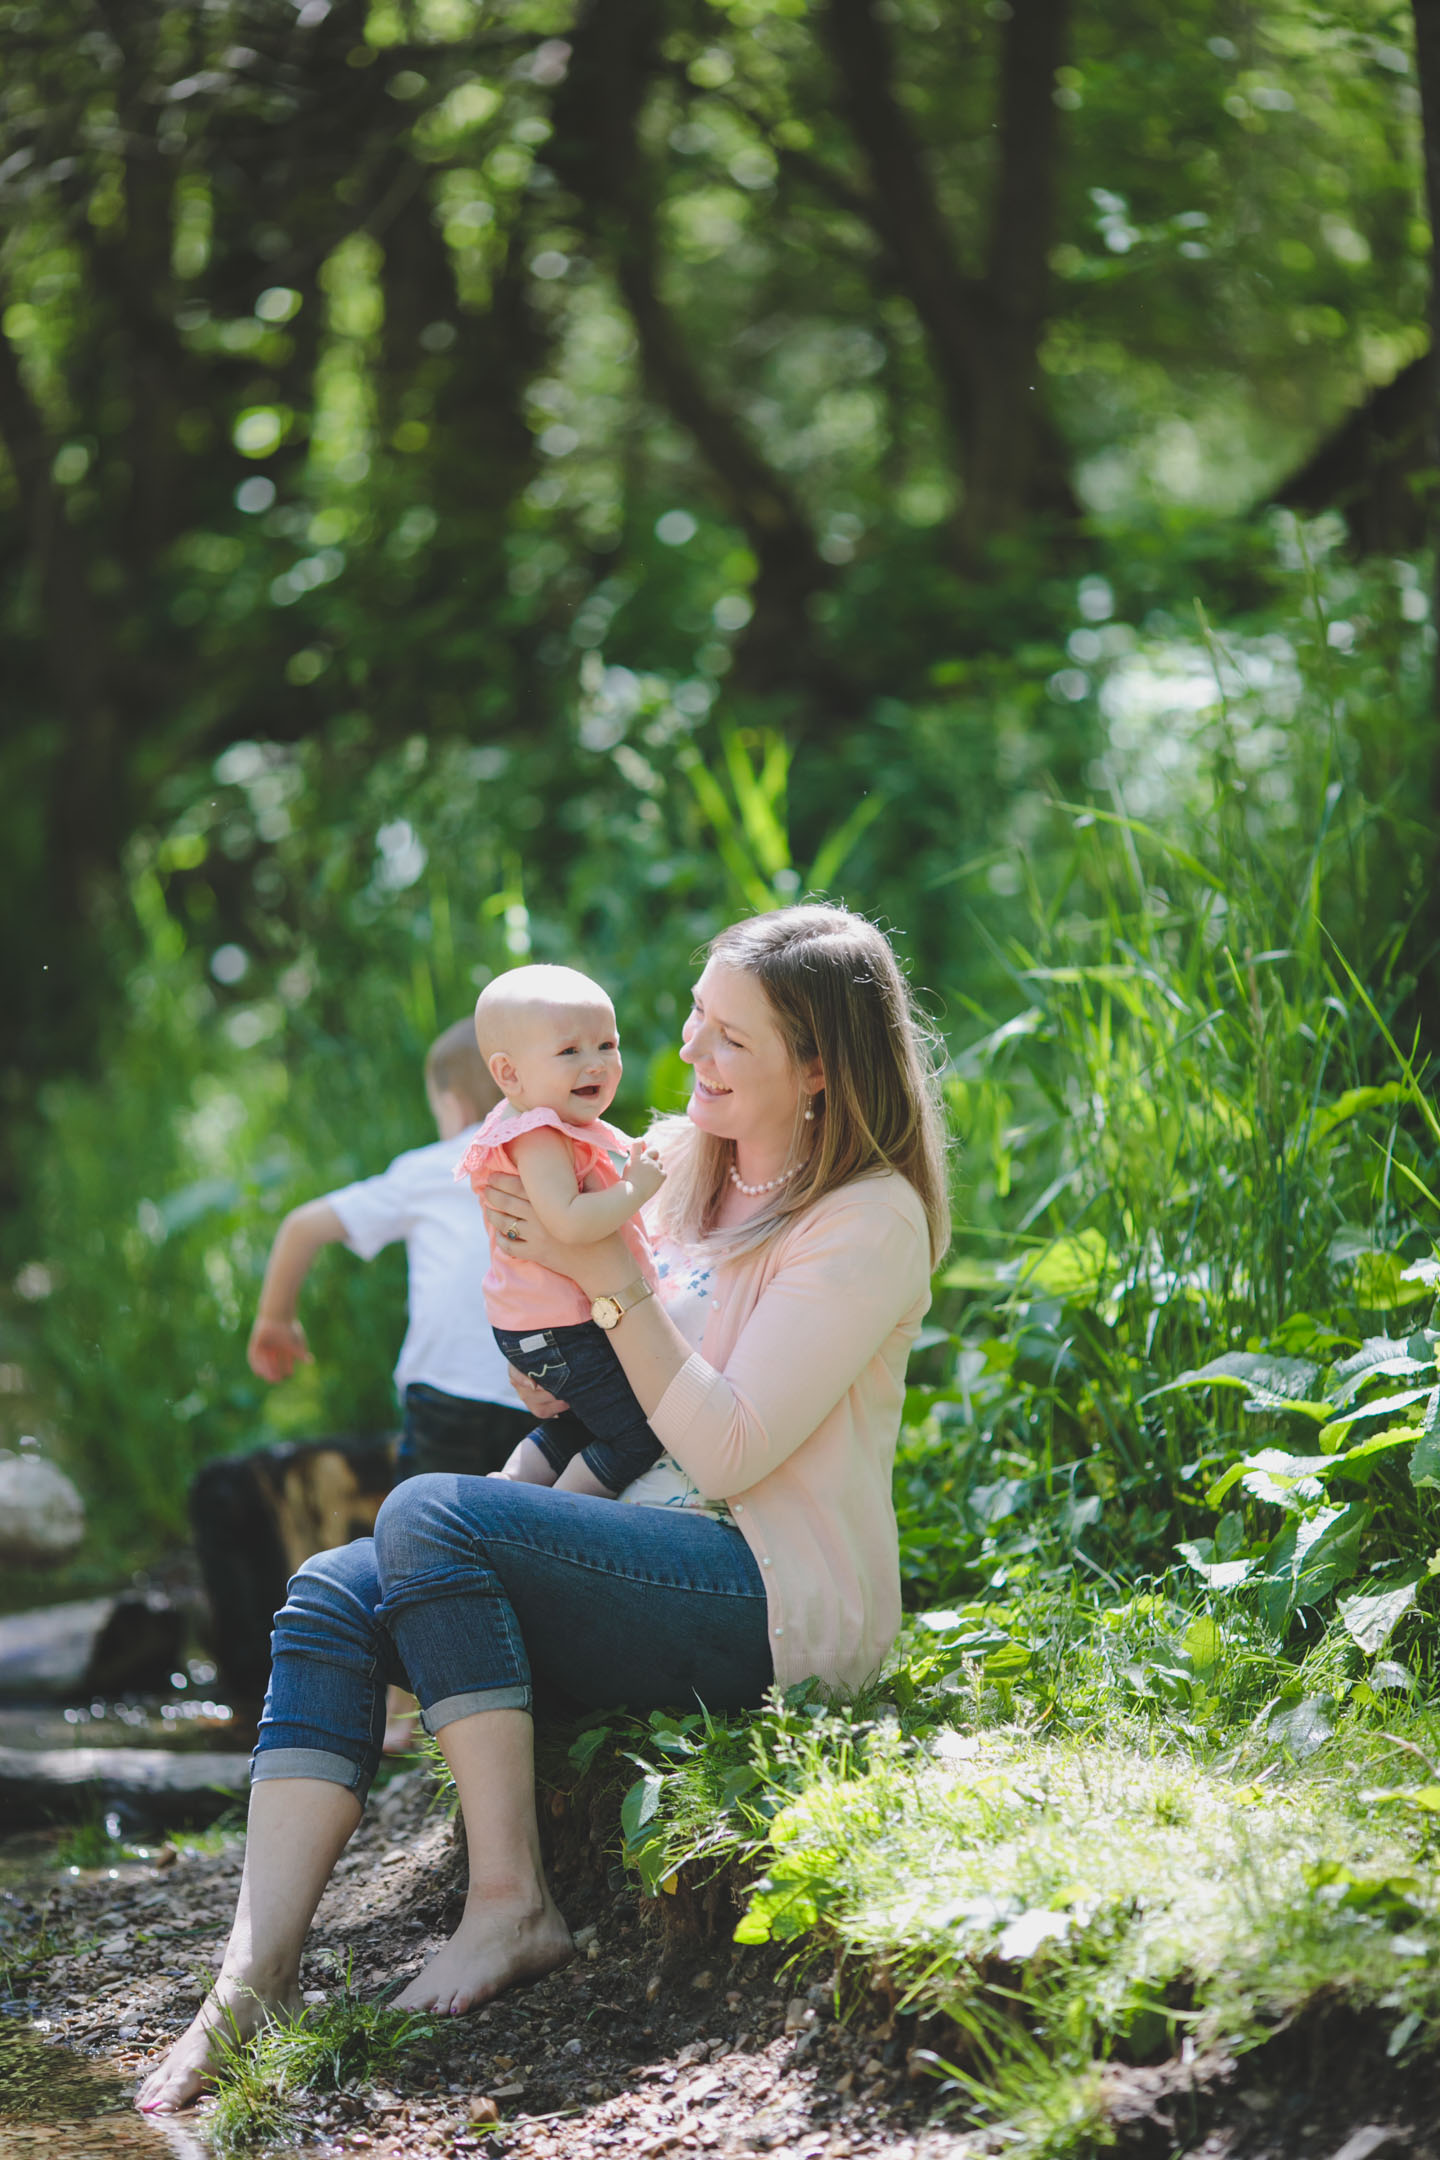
pixel 477 1591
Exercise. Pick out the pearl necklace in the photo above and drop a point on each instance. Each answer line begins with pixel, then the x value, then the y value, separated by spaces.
pixel 753 1192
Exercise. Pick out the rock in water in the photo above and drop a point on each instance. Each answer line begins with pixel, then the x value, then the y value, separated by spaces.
pixel 94 1646
pixel 42 1517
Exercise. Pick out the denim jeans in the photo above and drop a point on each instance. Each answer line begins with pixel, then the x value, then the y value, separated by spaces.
pixel 605 1423
pixel 476 1592
pixel 452 1432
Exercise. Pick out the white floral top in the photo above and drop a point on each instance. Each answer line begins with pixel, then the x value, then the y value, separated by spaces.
pixel 687 1291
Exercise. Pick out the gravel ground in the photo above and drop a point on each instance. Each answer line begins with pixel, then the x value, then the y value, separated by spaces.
pixel 660 2037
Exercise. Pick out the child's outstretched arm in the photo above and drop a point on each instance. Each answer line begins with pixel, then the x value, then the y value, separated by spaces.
pixel 277 1340
pixel 547 1171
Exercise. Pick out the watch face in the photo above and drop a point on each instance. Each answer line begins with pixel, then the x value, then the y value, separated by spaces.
pixel 606 1312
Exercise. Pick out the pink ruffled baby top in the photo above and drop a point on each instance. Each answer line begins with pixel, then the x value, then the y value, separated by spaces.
pixel 519 1293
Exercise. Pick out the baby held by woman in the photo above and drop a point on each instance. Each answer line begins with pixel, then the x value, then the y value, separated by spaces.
pixel 549 1038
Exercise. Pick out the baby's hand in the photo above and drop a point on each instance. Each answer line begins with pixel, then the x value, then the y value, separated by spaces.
pixel 643 1173
pixel 276 1347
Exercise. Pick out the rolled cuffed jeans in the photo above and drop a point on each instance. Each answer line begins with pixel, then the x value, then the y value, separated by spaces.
pixel 477 1591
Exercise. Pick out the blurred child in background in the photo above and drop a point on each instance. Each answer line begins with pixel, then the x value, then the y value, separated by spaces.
pixel 460 1412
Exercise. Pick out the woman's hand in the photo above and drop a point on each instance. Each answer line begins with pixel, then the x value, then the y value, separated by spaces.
pixel 607 1265
pixel 538 1400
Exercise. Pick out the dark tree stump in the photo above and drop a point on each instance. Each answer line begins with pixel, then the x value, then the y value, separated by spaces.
pixel 257 1516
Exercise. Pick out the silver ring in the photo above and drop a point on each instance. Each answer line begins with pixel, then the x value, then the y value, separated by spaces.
pixel 512 1232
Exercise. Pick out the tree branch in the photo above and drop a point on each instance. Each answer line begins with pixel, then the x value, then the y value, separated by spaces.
pixel 596 152
pixel 983 334
pixel 903 206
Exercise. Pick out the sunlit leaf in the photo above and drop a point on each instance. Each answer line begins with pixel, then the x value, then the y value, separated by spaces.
pixel 1284 1377
pixel 1370 1618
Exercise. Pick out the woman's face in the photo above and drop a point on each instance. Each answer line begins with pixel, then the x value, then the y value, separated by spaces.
pixel 746 1087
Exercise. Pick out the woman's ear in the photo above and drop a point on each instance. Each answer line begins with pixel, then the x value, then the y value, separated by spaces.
pixel 813 1080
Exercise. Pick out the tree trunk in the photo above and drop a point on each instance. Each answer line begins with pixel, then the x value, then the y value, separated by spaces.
pixel 596 152
pixel 256 1517
pixel 904 209
pixel 1011 426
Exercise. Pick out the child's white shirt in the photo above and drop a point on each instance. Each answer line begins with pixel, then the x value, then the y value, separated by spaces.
pixel 448 1343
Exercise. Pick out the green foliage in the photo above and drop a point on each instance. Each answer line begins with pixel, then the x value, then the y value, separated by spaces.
pixel 341 2045
pixel 92 1844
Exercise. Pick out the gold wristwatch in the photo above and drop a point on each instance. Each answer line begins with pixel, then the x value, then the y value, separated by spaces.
pixel 608 1312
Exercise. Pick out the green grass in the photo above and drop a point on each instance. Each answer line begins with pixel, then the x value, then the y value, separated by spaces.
pixel 344 2043
pixel 89 1844
pixel 1069 1836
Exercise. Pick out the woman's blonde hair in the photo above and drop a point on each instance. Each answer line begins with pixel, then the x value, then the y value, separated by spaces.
pixel 837 993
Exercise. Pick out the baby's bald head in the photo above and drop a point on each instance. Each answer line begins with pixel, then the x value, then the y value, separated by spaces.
pixel 549 1038
pixel 507 1008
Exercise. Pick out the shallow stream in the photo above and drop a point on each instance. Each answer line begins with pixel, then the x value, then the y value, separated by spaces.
pixel 53 2100
pixel 56 2102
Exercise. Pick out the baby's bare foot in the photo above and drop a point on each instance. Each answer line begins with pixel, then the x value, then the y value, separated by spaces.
pixel 230 2013
pixel 495 1945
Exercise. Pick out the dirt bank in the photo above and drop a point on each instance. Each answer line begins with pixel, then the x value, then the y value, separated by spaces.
pixel 660 2036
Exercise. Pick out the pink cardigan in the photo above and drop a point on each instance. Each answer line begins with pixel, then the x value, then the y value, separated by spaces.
pixel 790 1411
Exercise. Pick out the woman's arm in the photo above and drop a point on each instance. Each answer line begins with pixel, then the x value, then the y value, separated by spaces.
pixel 651 1339
pixel 851 1273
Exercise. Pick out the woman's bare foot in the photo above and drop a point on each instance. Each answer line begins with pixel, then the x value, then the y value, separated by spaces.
pixel 402 1722
pixel 495 1945
pixel 230 2012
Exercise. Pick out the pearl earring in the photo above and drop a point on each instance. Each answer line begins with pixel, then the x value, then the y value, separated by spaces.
pixel 809 1116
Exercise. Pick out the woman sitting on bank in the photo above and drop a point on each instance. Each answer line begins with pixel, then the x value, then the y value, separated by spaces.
pixel 803 1211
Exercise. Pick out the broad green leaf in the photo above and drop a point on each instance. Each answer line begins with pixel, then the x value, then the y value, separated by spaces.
pixel 1359 1461
pixel 1007 1662
pixel 1072 1267
pixel 1381 1354
pixel 1382 1284
pixel 583 1750
pixel 1425 1462
pixel 1203 1642
pixel 1256 1370
pixel 639 1806
pixel 1219 1574
pixel 1424 1797
pixel 737 1782
pixel 1302 1727
pixel 1287 1481
pixel 1308 1559
pixel 970 1274
pixel 1370 1618
pixel 1354 1100
pixel 1386 1405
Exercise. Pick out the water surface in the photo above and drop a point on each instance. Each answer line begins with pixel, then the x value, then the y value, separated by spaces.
pixel 64 2105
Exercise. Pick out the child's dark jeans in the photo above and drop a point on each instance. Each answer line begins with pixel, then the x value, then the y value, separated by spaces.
pixel 605 1423
pixel 450 1432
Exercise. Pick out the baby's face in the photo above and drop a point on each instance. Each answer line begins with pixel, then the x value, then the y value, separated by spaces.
pixel 568 1060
